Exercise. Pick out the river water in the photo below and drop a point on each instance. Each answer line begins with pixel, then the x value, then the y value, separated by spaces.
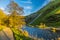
pixel 40 33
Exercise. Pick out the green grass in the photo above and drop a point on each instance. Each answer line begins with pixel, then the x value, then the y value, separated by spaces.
pixel 52 13
pixel 18 35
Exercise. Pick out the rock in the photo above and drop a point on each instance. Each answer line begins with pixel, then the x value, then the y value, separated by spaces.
pixel 6 34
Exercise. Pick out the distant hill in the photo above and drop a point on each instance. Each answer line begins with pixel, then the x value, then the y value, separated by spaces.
pixel 46 15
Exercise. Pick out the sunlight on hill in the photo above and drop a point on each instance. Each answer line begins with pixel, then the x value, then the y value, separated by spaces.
pixel 58 12
pixel 54 29
pixel 42 26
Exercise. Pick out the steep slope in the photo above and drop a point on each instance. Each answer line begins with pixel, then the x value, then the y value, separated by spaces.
pixel 45 12
pixel 42 10
pixel 31 17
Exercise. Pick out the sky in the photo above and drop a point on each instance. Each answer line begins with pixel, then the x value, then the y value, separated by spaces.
pixel 30 6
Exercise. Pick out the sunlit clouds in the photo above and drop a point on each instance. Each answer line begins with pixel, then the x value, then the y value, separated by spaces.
pixel 2 8
pixel 27 2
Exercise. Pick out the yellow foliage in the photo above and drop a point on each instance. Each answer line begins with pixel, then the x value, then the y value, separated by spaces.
pixel 26 33
pixel 2 15
pixel 21 39
pixel 16 20
pixel 59 38
pixel 58 12
pixel 2 27
pixel 42 26
pixel 13 19
pixel 54 29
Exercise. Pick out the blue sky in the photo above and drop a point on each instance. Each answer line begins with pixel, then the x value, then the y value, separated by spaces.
pixel 30 6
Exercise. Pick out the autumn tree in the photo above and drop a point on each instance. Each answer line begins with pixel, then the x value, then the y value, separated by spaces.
pixel 3 16
pixel 16 20
pixel 14 7
pixel 15 17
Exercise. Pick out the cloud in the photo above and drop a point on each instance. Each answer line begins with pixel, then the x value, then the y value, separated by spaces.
pixel 26 2
pixel 6 12
pixel 2 8
pixel 27 7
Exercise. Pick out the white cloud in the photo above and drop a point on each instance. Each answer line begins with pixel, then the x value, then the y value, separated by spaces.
pixel 27 7
pixel 2 8
pixel 26 1
pixel 6 12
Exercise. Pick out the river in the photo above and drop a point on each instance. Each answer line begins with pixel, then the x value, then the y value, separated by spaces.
pixel 40 33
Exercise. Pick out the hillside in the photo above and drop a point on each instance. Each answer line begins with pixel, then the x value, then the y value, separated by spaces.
pixel 49 10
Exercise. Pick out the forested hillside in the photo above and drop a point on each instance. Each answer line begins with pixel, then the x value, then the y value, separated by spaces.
pixel 48 15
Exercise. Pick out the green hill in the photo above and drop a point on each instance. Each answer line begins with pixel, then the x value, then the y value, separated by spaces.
pixel 46 15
